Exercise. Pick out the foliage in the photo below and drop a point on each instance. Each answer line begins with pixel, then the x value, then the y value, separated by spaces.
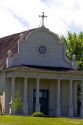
pixel 80 64
pixel 17 104
pixel 74 44
pixel 38 114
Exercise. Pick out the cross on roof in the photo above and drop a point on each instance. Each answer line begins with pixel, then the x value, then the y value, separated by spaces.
pixel 42 16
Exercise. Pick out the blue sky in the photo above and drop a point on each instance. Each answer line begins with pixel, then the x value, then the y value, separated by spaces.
pixel 21 15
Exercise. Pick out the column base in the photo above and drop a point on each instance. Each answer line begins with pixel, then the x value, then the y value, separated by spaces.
pixel 25 111
pixel 37 107
pixel 71 111
pixel 58 111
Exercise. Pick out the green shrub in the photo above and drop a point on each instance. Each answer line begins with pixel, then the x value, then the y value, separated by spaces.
pixel 17 104
pixel 38 114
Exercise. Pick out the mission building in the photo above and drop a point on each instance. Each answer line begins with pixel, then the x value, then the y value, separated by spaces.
pixel 34 64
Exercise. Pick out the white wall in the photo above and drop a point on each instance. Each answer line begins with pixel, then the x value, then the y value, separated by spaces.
pixel 29 50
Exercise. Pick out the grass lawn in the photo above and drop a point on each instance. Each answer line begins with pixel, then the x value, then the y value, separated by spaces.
pixel 24 120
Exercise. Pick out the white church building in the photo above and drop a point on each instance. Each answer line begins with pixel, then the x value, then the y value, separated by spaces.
pixel 34 63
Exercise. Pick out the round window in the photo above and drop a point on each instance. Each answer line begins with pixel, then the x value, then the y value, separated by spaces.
pixel 42 49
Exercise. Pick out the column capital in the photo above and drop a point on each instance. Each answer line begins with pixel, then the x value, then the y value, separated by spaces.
pixel 13 77
pixel 25 80
pixel 25 77
pixel 59 79
pixel 76 81
pixel 38 78
pixel 71 80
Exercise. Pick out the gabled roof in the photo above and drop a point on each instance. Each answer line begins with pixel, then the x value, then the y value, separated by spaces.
pixel 10 43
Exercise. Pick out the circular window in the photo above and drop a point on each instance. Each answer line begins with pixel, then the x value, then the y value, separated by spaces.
pixel 42 49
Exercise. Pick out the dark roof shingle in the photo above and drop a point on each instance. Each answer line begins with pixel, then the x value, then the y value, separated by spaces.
pixel 10 43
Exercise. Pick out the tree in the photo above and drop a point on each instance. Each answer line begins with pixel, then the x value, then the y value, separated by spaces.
pixel 80 64
pixel 74 44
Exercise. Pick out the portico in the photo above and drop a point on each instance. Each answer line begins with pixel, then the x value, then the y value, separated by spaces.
pixel 38 82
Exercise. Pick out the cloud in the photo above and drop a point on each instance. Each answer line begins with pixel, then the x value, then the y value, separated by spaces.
pixel 24 14
pixel 9 24
pixel 22 21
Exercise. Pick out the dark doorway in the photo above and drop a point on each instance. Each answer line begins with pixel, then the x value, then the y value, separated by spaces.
pixel 43 100
pixel 79 108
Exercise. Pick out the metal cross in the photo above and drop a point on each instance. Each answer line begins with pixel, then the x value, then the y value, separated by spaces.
pixel 42 16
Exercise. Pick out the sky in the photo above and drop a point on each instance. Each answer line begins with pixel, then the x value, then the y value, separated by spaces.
pixel 20 15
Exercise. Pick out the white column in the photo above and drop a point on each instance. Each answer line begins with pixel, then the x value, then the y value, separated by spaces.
pixel 58 110
pixel 25 97
pixel 6 95
pixel 37 96
pixel 75 98
pixel 13 88
pixel 12 95
pixel 70 99
pixel 82 98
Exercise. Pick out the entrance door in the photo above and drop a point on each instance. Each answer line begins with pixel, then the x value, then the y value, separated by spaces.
pixel 43 100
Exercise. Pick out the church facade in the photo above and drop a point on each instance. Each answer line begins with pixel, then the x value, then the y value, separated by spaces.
pixel 34 64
